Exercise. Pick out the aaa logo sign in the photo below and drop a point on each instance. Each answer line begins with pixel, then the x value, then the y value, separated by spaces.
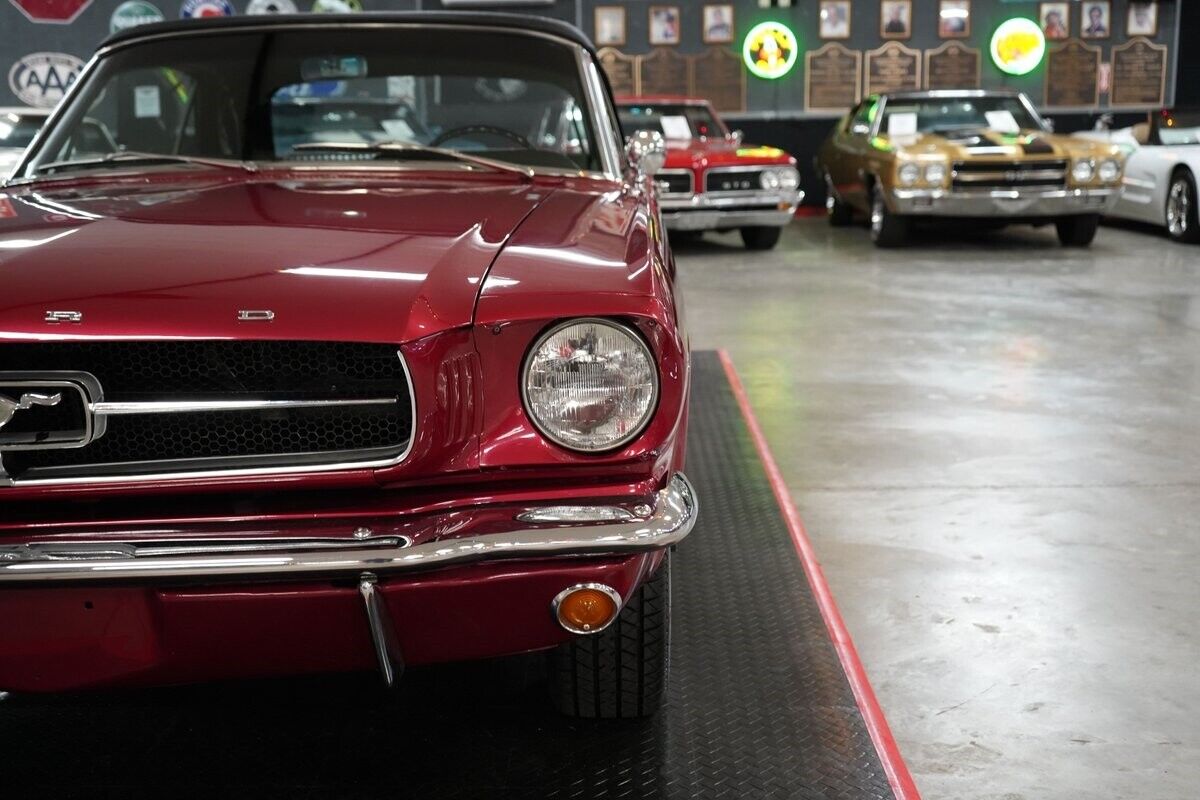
pixel 41 79
pixel 59 11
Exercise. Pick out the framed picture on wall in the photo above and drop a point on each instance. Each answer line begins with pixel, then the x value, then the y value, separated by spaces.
pixel 610 26
pixel 835 19
pixel 1097 19
pixel 954 19
pixel 1143 19
pixel 1055 19
pixel 718 24
pixel 895 19
pixel 664 25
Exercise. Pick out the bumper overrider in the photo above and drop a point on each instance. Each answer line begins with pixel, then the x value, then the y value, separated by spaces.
pixel 116 609
pixel 703 211
pixel 1020 203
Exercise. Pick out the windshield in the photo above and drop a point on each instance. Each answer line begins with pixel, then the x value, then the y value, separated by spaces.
pixel 955 114
pixel 294 95
pixel 672 121
pixel 1181 127
pixel 17 130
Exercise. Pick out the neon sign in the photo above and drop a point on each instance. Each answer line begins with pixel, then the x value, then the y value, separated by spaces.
pixel 1018 46
pixel 770 50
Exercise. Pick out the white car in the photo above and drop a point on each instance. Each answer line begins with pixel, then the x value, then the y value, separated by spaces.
pixel 1161 171
pixel 17 129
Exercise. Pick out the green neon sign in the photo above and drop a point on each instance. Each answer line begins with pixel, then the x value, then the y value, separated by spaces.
pixel 1018 46
pixel 770 50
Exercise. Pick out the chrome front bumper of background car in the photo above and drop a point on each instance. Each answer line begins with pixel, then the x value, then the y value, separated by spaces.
pixel 536 532
pixel 725 211
pixel 1021 203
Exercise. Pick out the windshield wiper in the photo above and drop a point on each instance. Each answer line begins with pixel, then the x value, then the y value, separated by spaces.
pixel 125 157
pixel 416 150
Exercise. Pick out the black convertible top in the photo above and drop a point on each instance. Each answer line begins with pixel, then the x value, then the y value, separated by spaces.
pixel 467 19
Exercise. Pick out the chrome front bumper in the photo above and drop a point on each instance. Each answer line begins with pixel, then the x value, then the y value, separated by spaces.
pixel 1023 203
pixel 724 211
pixel 110 558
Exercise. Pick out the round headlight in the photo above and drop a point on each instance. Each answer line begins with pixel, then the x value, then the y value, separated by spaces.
pixel 935 173
pixel 1109 171
pixel 1082 171
pixel 590 385
pixel 789 178
pixel 769 179
pixel 909 174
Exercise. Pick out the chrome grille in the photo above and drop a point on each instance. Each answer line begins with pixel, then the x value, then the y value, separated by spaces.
pixel 968 175
pixel 207 405
pixel 674 181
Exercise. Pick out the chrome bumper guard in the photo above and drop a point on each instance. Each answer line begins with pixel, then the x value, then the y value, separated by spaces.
pixel 1021 203
pixel 111 560
pixel 712 211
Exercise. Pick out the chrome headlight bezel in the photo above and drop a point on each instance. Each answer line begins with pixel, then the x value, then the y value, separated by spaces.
pixel 1109 170
pixel 636 430
pixel 908 174
pixel 1083 170
pixel 789 179
pixel 768 179
pixel 935 173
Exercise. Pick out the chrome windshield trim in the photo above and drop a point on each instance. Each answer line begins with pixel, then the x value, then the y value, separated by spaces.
pixel 93 480
pixel 672 519
pixel 195 406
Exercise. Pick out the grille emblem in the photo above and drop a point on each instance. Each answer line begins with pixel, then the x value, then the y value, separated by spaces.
pixel 9 407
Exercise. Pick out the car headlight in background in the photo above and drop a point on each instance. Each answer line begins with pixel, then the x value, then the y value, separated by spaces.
pixel 935 173
pixel 1083 171
pixel 590 385
pixel 786 178
pixel 1109 170
pixel 909 174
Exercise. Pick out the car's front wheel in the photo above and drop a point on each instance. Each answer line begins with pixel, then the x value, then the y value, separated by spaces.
pixel 760 237
pixel 1077 231
pixel 1183 212
pixel 839 213
pixel 887 229
pixel 620 672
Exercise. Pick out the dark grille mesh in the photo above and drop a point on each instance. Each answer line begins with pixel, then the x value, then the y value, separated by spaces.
pixel 739 181
pixel 158 371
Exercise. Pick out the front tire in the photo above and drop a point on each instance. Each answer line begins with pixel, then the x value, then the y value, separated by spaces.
pixel 887 229
pixel 1077 231
pixel 1183 211
pixel 760 237
pixel 621 672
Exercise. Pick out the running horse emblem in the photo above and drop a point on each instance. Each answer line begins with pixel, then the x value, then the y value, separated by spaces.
pixel 9 407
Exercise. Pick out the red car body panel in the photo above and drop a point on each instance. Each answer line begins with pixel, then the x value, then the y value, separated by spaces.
pixel 460 271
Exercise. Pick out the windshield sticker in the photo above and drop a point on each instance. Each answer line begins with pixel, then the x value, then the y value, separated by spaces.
pixel 902 124
pixel 676 127
pixel 147 104
pixel 1002 120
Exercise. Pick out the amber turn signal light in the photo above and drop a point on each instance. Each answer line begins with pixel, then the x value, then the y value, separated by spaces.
pixel 586 607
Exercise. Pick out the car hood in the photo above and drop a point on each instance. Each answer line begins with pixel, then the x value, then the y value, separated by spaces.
pixel 720 153
pixel 349 258
pixel 986 143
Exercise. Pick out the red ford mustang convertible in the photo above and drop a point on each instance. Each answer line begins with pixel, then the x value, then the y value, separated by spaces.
pixel 354 342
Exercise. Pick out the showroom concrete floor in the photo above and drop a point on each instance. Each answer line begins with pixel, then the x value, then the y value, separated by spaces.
pixel 995 445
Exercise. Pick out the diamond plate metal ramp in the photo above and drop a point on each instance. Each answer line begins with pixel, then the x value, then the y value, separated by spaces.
pixel 759 704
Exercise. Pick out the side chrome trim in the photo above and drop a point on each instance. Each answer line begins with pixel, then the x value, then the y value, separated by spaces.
pixel 249 472
pixel 673 517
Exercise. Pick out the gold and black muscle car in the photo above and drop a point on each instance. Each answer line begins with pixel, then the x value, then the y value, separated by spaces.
pixel 982 154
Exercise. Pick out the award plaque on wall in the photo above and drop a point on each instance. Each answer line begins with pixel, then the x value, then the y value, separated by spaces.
pixel 719 75
pixel 893 68
pixel 1072 75
pixel 662 72
pixel 1139 73
pixel 832 77
pixel 621 70
pixel 952 66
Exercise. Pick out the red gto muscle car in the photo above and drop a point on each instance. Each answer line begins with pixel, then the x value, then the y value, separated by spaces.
pixel 711 180
pixel 379 380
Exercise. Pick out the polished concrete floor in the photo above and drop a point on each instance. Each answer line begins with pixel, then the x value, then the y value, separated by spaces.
pixel 995 446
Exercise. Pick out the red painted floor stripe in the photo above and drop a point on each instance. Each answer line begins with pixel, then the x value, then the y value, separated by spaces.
pixel 889 753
